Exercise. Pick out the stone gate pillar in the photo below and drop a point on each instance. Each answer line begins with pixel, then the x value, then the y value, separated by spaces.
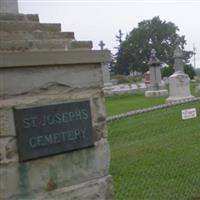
pixel 53 137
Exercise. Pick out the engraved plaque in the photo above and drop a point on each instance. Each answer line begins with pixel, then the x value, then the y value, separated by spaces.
pixel 53 129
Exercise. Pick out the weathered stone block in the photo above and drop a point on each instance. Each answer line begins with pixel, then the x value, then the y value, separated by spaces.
pixel 98 107
pixel 80 45
pixel 8 150
pixel 7 127
pixel 35 78
pixel 19 17
pixel 11 26
pixel 50 94
pixel 179 87
pixel 155 93
pixel 45 58
pixel 20 45
pixel 100 130
pixel 65 170
pixel 8 6
pixel 198 89
pixel 95 189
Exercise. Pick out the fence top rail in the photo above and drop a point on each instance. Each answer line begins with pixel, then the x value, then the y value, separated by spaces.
pixel 149 109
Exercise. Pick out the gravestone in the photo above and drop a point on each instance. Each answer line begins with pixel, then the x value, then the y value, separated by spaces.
pixel 131 73
pixel 122 89
pixel 198 89
pixel 106 74
pixel 134 87
pixel 105 70
pixel 53 137
pixel 147 77
pixel 179 82
pixel 142 87
pixel 155 87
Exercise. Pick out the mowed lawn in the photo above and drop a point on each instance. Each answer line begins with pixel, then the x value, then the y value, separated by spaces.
pixel 124 103
pixel 156 155
pixel 127 102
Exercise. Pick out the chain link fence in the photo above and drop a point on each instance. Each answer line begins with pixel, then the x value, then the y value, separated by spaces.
pixel 156 156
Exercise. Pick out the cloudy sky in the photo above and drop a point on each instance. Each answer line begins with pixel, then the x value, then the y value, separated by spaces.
pixel 100 19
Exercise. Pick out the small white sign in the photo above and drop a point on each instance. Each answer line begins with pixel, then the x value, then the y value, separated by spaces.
pixel 189 113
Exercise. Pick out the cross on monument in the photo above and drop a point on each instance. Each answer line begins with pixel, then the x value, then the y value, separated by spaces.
pixel 178 59
pixel 154 61
pixel 155 74
pixel 101 44
pixel 9 6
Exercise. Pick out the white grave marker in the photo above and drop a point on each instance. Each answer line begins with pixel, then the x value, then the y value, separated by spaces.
pixel 189 113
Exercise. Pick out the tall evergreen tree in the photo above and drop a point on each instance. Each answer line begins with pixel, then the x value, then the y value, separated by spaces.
pixel 121 64
pixel 119 37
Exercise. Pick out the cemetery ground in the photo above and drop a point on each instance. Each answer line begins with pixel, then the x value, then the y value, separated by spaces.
pixel 123 103
pixel 155 155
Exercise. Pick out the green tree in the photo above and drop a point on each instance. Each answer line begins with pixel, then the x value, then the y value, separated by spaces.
pixel 167 71
pixel 119 37
pixel 134 52
pixel 121 64
pixel 190 71
pixel 197 71
pixel 188 68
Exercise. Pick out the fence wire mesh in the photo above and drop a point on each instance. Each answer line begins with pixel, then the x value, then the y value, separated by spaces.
pixel 156 156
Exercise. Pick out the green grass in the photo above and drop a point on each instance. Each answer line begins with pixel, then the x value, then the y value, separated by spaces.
pixel 156 156
pixel 193 89
pixel 125 103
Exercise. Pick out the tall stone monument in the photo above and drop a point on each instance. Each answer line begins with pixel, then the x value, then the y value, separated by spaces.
pixel 179 82
pixel 53 137
pixel 9 6
pixel 155 88
pixel 105 69
pixel 198 88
